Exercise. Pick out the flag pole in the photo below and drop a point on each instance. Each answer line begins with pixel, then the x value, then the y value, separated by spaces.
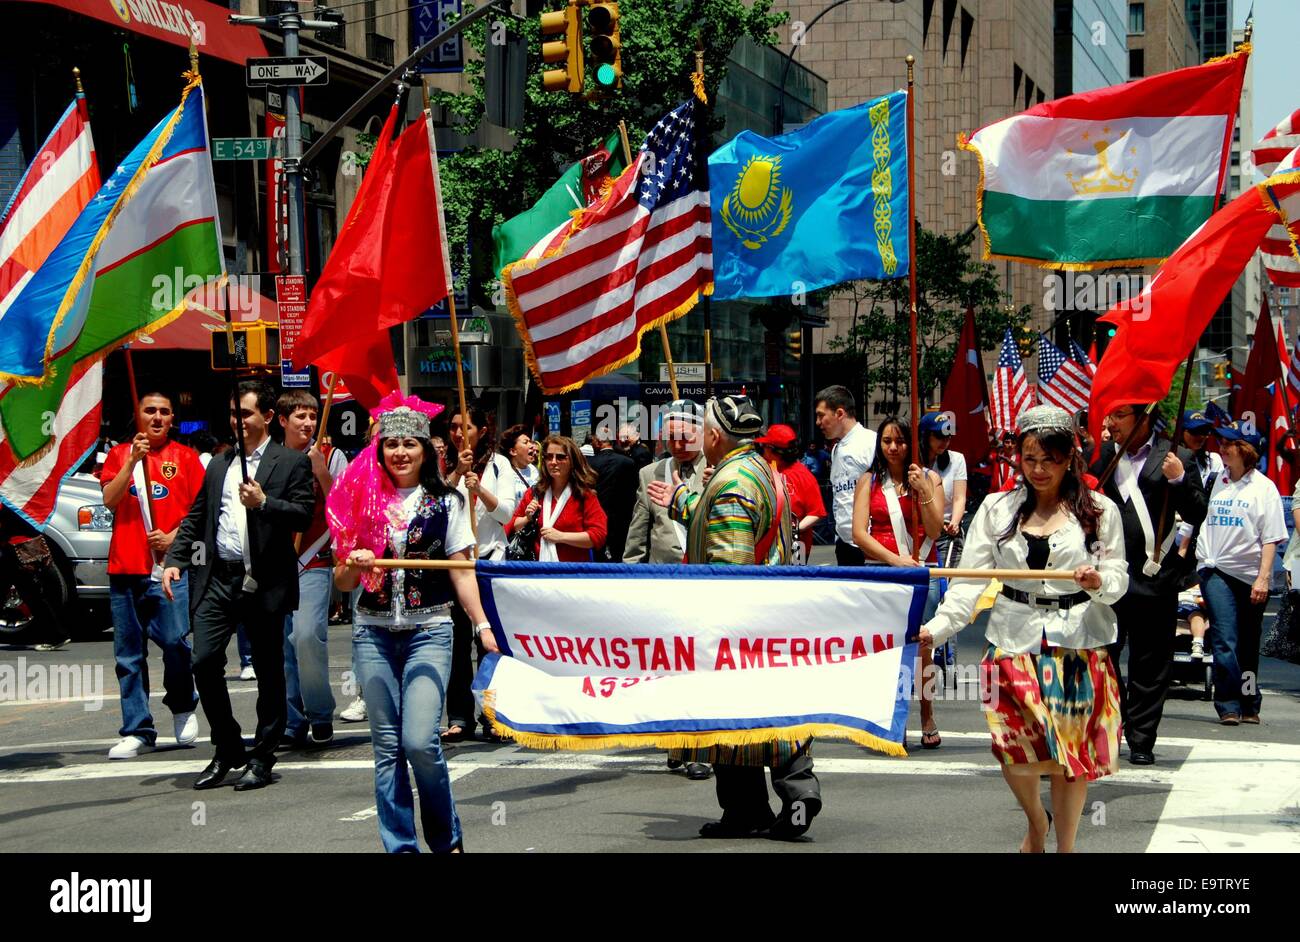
pixel 663 328
pixel 911 288
pixel 697 79
pixel 468 440
pixel 139 427
pixel 322 435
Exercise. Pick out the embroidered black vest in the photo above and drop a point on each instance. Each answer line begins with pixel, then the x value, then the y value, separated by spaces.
pixel 424 591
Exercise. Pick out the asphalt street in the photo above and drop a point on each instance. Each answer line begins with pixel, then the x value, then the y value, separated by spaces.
pixel 1212 789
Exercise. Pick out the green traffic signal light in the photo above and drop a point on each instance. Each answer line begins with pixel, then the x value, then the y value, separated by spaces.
pixel 606 75
pixel 1110 332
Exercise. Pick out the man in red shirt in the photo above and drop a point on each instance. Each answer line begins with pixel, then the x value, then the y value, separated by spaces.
pixel 781 449
pixel 141 536
pixel 306 640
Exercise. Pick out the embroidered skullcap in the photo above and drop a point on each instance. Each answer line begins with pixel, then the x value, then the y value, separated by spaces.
pixel 1042 419
pixel 686 410
pixel 737 416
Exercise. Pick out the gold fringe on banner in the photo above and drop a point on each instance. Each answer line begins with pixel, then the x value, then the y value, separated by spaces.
pixel 697 84
pixel 728 737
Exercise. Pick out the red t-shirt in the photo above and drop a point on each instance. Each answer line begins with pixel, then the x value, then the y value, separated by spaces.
pixel 805 498
pixel 882 524
pixel 177 476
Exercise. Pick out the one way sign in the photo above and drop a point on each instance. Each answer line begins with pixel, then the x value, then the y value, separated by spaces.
pixel 289 70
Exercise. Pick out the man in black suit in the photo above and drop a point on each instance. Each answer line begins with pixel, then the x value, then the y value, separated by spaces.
pixel 617 479
pixel 238 542
pixel 1148 474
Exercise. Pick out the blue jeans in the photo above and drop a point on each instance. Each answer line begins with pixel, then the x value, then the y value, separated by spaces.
pixel 404 677
pixel 141 611
pixel 306 654
pixel 1234 640
pixel 245 645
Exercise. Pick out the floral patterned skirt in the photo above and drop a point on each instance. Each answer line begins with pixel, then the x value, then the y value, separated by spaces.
pixel 1060 705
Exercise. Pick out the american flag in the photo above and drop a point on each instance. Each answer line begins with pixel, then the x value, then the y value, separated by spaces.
pixel 1011 394
pixel 1078 356
pixel 1281 246
pixel 640 256
pixel 1276 144
pixel 1061 381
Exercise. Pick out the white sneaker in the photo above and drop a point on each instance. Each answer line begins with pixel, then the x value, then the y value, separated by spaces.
pixel 355 712
pixel 56 646
pixel 129 748
pixel 187 728
pixel 1198 649
pixel 248 673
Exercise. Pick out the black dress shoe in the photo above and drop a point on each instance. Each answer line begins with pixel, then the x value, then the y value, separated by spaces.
pixel 736 827
pixel 1137 757
pixel 794 821
pixel 257 775
pixel 215 774
pixel 698 771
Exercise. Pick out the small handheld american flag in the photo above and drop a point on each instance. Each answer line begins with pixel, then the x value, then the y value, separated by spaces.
pixel 1011 394
pixel 1061 381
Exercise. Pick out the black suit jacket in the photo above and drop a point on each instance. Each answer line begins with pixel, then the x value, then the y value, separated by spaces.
pixel 286 479
pixel 617 480
pixel 1187 498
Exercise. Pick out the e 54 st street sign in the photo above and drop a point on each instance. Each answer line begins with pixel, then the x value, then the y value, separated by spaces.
pixel 288 70
pixel 244 148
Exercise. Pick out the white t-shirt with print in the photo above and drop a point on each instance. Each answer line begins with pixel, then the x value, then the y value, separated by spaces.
pixel 1242 517
pixel 956 471
pixel 851 459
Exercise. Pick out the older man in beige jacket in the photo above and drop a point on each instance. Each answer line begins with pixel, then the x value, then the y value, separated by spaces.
pixel 653 536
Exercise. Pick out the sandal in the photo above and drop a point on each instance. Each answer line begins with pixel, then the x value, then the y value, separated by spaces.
pixel 455 734
pixel 931 739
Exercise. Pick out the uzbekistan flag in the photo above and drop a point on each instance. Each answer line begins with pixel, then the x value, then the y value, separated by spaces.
pixel 49 198
pixel 147 239
pixel 1117 176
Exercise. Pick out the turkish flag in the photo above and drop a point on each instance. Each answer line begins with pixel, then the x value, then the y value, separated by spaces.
pixel 1280 469
pixel 966 396
pixel 1263 369
pixel 1164 323
pixel 389 265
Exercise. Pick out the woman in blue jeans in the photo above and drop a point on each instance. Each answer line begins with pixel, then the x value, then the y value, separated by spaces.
pixel 396 505
pixel 1234 558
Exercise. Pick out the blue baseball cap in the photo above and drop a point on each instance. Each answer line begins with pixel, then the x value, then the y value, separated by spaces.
pixel 1234 433
pixel 938 423
pixel 1195 421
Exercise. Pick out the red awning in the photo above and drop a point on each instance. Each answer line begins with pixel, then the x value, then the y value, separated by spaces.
pixel 174 21
pixel 193 330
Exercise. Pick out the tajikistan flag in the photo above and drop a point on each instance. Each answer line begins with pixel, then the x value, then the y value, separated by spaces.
pixel 1117 176
pixel 148 238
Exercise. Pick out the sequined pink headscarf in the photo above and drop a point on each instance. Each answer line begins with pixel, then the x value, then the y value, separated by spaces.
pixel 357 509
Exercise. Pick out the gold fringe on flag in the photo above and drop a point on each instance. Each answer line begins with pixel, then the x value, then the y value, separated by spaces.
pixel 697 84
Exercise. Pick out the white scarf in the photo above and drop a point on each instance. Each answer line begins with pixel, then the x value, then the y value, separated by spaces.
pixel 902 536
pixel 1127 483
pixel 677 527
pixel 141 495
pixel 551 510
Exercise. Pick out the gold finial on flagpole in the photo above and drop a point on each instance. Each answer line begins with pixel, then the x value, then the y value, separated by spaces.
pixel 76 78
pixel 911 65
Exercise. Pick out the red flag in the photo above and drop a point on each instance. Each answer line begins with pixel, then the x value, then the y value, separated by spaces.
pixel 1263 368
pixel 381 272
pixel 1280 470
pixel 1092 357
pixel 966 396
pixel 1158 329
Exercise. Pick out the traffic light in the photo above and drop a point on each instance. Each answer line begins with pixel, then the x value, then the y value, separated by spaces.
pixel 1110 331
pixel 602 25
pixel 794 343
pixel 1221 372
pixel 566 23
pixel 257 344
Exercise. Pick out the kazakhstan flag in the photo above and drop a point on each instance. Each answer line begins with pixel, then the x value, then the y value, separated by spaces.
pixel 823 204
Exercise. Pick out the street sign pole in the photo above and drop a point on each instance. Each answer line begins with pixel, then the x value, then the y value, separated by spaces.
pixel 290 23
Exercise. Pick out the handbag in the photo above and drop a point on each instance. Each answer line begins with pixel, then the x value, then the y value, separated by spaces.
pixel 34 554
pixel 522 546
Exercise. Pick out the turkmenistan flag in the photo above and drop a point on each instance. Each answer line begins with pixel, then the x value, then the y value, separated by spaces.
pixel 1117 176
pixel 577 188
pixel 147 239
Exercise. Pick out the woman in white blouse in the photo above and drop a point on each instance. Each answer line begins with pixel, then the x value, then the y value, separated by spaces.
pixel 1234 559
pixel 508 475
pixel 1052 697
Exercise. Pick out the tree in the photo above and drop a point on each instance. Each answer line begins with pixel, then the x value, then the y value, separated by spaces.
pixel 482 188
pixel 876 349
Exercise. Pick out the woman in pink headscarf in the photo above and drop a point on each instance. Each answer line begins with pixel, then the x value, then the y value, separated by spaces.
pixel 392 503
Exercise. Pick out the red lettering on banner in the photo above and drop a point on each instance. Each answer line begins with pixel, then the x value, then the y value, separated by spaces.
pixel 549 652
pixel 619 647
pixel 724 660
pixel 607 686
pixel 859 648
pixel 587 688
pixel 641 644
pixel 523 640
pixel 659 659
pixel 565 648
pixel 751 652
pixel 604 653
pixel 774 646
pixel 586 652
pixel 881 643
pixel 799 649
pixel 834 658
pixel 684 653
